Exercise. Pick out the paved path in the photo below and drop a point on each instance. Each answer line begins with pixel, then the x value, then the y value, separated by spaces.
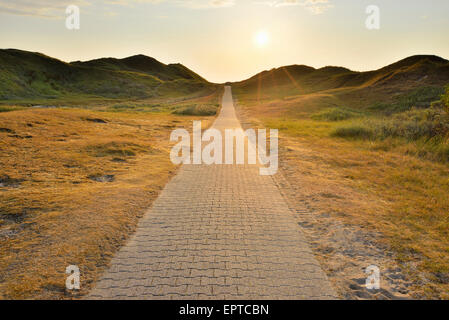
pixel 216 232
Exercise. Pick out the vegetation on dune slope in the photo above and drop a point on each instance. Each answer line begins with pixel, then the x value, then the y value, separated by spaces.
pixel 143 64
pixel 31 76
pixel 359 90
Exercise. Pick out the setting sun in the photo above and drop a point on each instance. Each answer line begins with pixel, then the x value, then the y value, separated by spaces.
pixel 261 38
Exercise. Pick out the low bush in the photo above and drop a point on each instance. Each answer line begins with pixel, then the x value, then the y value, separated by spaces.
pixel 198 110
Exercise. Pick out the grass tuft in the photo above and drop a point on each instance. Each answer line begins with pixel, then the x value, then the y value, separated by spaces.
pixel 114 148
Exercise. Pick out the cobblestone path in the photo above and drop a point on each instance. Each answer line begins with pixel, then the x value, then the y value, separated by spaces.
pixel 216 232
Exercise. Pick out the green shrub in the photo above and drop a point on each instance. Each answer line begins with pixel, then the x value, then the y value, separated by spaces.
pixel 354 131
pixel 334 114
pixel 198 110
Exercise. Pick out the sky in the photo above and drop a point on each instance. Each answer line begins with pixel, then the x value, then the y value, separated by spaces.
pixel 231 40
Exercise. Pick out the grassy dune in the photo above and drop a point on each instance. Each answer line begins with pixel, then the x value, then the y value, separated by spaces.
pixel 30 78
pixel 380 149
pixel 73 183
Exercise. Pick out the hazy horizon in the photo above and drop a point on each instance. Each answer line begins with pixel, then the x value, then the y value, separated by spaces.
pixel 231 40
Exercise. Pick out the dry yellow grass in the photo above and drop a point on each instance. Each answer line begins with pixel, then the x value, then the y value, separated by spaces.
pixel 376 185
pixel 52 213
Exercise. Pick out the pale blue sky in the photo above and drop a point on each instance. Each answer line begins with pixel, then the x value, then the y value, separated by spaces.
pixel 216 37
